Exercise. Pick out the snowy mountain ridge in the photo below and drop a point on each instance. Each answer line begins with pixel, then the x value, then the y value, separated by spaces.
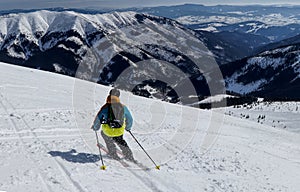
pixel 271 74
pixel 239 31
pixel 103 46
pixel 62 41
pixel 273 22
pixel 36 26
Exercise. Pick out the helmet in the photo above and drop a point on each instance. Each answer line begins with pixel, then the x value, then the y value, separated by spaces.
pixel 114 92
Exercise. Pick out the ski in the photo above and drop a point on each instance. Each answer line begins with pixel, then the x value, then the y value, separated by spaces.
pixel 137 163
pixel 140 165
pixel 124 162
pixel 121 160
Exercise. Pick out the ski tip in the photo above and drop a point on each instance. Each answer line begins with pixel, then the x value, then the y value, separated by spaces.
pixel 158 167
pixel 103 167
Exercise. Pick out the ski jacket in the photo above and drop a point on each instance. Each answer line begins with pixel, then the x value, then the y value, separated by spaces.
pixel 103 113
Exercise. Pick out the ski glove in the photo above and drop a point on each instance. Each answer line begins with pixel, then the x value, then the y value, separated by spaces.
pixel 95 128
pixel 97 123
pixel 128 119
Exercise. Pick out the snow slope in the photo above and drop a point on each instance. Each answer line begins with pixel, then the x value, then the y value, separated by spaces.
pixel 46 143
pixel 283 115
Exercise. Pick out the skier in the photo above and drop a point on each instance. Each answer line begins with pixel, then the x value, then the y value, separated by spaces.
pixel 115 119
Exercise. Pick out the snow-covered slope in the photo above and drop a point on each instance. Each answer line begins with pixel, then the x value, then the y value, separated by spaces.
pixel 47 145
pixel 283 115
pixel 272 74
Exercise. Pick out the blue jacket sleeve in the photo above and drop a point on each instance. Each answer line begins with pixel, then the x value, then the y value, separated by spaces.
pixel 129 120
pixel 97 122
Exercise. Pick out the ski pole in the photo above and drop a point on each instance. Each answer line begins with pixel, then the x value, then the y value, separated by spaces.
pixel 156 166
pixel 103 167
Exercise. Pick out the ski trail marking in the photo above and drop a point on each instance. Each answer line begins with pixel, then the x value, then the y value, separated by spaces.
pixel 63 170
pixel 12 122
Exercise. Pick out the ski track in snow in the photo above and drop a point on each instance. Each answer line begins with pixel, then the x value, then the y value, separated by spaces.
pixel 44 149
pixel 64 171
pixel 20 139
pixel 145 178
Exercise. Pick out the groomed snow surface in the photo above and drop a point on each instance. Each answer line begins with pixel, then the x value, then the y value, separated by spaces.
pixel 47 144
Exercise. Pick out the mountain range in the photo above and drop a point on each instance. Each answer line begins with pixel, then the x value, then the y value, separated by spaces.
pixel 234 32
pixel 101 47
pixel 273 74
pixel 256 58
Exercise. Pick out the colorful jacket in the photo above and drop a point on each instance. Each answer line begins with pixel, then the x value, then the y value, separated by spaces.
pixel 103 113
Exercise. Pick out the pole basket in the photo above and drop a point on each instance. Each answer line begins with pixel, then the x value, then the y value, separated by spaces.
pixel 103 167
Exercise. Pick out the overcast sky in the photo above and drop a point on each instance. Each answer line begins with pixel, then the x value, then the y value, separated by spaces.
pixel 31 4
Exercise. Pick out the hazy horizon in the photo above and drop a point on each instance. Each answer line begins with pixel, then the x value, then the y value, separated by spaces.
pixel 115 4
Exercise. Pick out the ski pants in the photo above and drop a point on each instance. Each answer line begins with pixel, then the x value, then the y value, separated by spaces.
pixel 110 144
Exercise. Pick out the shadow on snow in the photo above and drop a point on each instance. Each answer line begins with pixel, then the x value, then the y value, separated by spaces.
pixel 73 156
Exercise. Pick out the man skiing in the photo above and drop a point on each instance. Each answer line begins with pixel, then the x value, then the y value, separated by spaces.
pixel 115 119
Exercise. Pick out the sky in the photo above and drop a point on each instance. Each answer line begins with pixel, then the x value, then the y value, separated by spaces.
pixel 33 4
